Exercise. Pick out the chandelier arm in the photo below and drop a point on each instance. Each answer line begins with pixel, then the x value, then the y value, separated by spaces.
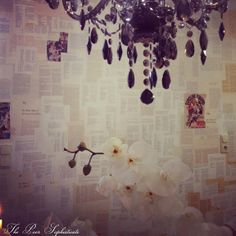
pixel 97 21
pixel 95 11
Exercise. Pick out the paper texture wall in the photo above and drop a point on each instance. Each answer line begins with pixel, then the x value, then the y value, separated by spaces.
pixel 56 104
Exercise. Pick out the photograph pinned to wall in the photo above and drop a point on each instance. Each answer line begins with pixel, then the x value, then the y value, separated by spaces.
pixel 5 132
pixel 195 110
pixel 63 40
pixel 55 48
pixel 53 51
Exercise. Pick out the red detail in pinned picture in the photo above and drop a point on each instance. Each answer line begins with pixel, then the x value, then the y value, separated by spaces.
pixel 195 111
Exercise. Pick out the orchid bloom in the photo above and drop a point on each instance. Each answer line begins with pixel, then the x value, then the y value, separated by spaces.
pixel 114 148
pixel 106 185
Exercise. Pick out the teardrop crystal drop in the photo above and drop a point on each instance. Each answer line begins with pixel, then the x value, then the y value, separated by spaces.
pixel 135 54
pixel 203 40
pixel 109 56
pixel 147 96
pixel 153 77
pixel 131 78
pixel 94 35
pixel 166 79
pixel 105 50
pixel 125 35
pixel 82 19
pixel 173 50
pixel 53 4
pixel 222 31
pixel 203 57
pixel 119 51
pixel 130 52
pixel 131 63
pixel 89 46
pixel 189 48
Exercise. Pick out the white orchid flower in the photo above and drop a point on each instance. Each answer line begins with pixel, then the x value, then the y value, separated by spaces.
pixel 129 173
pixel 144 205
pixel 106 185
pixel 115 150
pixel 143 151
pixel 189 223
pixel 126 195
pixel 158 182
pixel 177 171
pixel 114 147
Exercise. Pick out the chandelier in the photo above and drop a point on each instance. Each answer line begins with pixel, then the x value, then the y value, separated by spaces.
pixel 153 23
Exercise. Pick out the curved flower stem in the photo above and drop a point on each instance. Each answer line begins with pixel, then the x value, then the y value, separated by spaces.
pixel 84 149
pixel 93 154
pixel 67 150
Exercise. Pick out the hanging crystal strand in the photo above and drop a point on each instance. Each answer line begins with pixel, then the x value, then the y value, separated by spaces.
pixel 130 50
pixel 82 19
pixel 105 49
pixel 89 44
pixel 147 96
pixel 131 76
pixel 135 54
pixel 150 64
pixel 109 52
pixel 153 73
pixel 189 47
pixel 119 49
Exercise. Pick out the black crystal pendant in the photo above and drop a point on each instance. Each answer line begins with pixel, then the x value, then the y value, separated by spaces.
pixel 89 46
pixel 190 33
pixel 203 57
pixel 105 50
pixel 222 31
pixel 131 79
pixel 146 81
pixel 146 72
pixel 166 79
pixel 94 35
pixel 135 54
pixel 119 51
pixel 109 56
pixel 153 78
pixel 131 63
pixel 53 4
pixel 130 52
pixel 174 50
pixel 82 19
pixel 125 37
pixel 203 40
pixel 189 48
pixel 87 169
pixel 147 97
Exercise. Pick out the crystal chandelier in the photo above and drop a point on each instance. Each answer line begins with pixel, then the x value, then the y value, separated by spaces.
pixel 153 23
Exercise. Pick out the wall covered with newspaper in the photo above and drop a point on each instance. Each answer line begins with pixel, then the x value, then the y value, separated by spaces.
pixel 51 100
